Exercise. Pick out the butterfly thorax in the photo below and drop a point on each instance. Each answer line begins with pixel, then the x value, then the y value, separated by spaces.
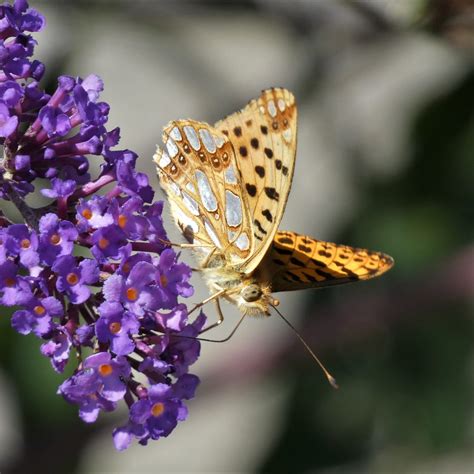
pixel 251 296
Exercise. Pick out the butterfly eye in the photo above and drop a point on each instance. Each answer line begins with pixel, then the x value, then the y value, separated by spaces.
pixel 251 293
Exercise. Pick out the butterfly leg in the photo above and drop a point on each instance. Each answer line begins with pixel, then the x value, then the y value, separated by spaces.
pixel 208 258
pixel 220 317
pixel 207 300
pixel 231 333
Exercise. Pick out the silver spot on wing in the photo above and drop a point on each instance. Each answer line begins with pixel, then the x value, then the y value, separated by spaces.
pixel 233 209
pixel 192 137
pixel 208 199
pixel 271 108
pixel 242 242
pixel 230 176
pixel 191 204
pixel 219 140
pixel 171 147
pixel 175 188
pixel 165 160
pixel 206 138
pixel 175 134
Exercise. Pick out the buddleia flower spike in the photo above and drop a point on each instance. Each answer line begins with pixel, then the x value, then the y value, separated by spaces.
pixel 89 272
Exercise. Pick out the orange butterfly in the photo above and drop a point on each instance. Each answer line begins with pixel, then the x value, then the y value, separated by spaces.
pixel 228 185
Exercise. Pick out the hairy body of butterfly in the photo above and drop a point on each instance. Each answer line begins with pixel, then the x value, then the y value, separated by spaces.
pixel 228 185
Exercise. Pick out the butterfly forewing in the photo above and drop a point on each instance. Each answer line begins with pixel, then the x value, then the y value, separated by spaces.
pixel 263 136
pixel 296 262
pixel 198 171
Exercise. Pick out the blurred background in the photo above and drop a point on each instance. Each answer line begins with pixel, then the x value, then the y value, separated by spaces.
pixel 385 92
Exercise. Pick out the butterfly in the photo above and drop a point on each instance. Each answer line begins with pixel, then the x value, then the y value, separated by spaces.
pixel 228 185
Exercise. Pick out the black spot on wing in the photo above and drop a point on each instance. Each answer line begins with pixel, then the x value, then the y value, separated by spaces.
pixel 260 170
pixel 254 143
pixel 310 278
pixel 268 152
pixel 294 277
pixel 243 151
pixel 285 240
pixel 272 193
pixel 324 274
pixel 259 226
pixel 297 262
pixel 251 189
pixel 282 251
pixel 268 215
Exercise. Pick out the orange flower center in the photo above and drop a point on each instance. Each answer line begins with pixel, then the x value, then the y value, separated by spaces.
pixel 132 294
pixel 163 280
pixel 105 370
pixel 55 239
pixel 122 221
pixel 103 243
pixel 9 282
pixel 157 409
pixel 39 310
pixel 86 213
pixel 25 244
pixel 126 268
pixel 72 278
pixel 115 327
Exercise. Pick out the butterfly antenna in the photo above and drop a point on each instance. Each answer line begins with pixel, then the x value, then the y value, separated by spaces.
pixel 330 378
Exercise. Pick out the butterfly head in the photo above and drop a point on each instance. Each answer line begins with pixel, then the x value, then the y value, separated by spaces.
pixel 255 299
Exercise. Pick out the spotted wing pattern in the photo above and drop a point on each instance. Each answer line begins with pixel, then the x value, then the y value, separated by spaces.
pixel 296 262
pixel 198 171
pixel 263 136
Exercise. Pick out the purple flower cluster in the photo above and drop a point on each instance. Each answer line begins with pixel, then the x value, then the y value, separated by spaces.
pixel 91 274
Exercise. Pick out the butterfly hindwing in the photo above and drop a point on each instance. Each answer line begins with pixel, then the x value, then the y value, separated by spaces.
pixel 263 136
pixel 296 262
pixel 198 171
